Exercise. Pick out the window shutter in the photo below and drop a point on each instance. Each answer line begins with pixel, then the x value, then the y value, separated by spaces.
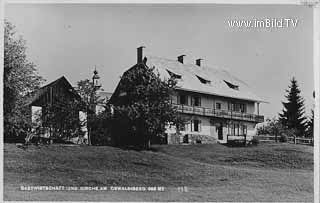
pixel 178 99
pixel 200 125
pixel 238 128
pixel 191 125
pixel 199 101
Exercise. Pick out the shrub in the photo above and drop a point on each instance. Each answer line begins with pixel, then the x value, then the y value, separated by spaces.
pixel 291 132
pixel 100 130
pixel 283 138
pixel 255 141
pixel 262 130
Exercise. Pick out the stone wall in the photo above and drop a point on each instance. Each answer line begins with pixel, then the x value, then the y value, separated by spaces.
pixel 175 138
pixel 201 139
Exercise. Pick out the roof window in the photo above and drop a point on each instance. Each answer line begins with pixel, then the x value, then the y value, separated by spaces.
pixel 204 81
pixel 174 75
pixel 232 86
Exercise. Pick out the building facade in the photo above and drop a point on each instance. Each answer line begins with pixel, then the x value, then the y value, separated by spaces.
pixel 212 118
pixel 216 105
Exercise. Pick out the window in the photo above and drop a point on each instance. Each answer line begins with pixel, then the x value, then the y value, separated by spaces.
pixel 232 86
pixel 121 94
pixel 243 108
pixel 218 106
pixel 236 107
pixel 243 130
pixel 204 81
pixel 196 125
pixel 237 129
pixel 174 75
pixel 196 101
pixel 234 129
pixel 183 99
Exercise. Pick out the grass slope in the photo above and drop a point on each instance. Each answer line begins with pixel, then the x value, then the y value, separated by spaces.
pixel 269 172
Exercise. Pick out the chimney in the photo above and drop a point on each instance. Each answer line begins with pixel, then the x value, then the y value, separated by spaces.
pixel 198 62
pixel 140 54
pixel 180 58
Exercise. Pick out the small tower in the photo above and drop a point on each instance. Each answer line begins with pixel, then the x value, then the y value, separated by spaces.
pixel 95 79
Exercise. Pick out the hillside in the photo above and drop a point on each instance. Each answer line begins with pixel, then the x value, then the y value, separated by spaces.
pixel 268 172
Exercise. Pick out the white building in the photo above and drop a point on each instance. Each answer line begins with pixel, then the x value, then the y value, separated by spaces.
pixel 217 105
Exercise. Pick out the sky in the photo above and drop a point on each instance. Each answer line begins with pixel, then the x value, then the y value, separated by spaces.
pixel 71 39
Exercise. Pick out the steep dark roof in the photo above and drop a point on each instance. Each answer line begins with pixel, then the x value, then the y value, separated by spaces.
pixel 43 90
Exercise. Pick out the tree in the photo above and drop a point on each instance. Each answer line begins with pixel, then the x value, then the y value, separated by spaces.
pixel 62 119
pixel 276 128
pixel 292 115
pixel 310 123
pixel 20 80
pixel 142 107
pixel 100 128
pixel 87 92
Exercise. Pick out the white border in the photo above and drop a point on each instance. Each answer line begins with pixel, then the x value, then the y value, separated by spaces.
pixel 297 2
pixel 1 93
pixel 316 67
pixel 316 57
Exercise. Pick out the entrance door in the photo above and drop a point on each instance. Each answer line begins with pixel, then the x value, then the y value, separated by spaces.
pixel 186 139
pixel 220 132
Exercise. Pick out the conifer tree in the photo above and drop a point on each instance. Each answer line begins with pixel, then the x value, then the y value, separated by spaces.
pixel 311 121
pixel 292 115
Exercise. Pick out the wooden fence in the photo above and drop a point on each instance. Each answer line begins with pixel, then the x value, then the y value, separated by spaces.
pixel 293 140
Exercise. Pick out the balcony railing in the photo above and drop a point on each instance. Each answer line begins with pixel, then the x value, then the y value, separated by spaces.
pixel 219 113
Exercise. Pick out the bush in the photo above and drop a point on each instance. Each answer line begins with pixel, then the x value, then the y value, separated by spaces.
pixel 283 138
pixel 262 130
pixel 100 130
pixel 255 141
pixel 291 132
pixel 100 139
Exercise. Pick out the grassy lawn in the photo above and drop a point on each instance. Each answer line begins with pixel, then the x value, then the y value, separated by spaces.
pixel 268 172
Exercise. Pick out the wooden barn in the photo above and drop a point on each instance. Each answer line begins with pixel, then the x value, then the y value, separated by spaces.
pixel 58 111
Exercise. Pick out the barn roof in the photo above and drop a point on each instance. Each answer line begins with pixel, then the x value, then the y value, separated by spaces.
pixel 38 94
pixel 202 79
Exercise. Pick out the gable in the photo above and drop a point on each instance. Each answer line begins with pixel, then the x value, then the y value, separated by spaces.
pixel 50 93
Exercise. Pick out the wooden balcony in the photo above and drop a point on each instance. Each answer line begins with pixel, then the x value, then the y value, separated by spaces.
pixel 219 113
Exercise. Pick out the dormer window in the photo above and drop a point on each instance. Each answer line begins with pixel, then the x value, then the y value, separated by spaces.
pixel 232 86
pixel 174 75
pixel 204 81
pixel 121 94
